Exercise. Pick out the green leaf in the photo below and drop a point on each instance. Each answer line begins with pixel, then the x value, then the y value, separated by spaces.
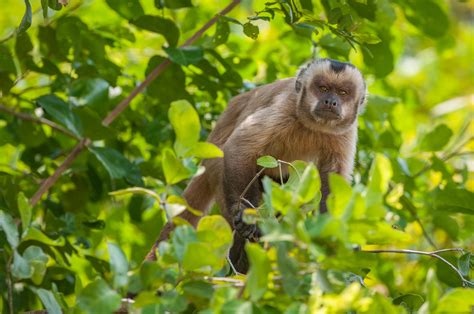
pixel 257 278
pixel 200 289
pixel 21 268
pixel 118 265
pixel 222 32
pixel 454 200
pixel 464 263
pixel 433 21
pixel 159 88
pixel 117 165
pixel 35 234
pixel 186 55
pixel 173 168
pixel 26 20
pixel 412 302
pixel 199 256
pixel 128 9
pixel 61 111
pixel 216 233
pixel 97 297
pixel 379 177
pixel 25 211
pixel 436 139
pixel 205 150
pixel 89 92
pixel 37 260
pixel 458 300
pixel 160 25
pixel 173 4
pixel 185 121
pixel 309 184
pixel 49 301
pixel 340 197
pixel 251 30
pixel 181 238
pixel 7 224
pixel 267 162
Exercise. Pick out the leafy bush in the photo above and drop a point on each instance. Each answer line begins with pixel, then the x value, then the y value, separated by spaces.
pixel 85 187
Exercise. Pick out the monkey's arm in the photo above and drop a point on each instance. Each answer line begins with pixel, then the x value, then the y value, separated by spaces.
pixel 241 151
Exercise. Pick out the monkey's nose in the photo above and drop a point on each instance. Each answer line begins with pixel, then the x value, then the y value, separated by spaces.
pixel 329 103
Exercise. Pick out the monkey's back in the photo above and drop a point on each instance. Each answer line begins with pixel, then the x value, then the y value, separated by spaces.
pixel 243 105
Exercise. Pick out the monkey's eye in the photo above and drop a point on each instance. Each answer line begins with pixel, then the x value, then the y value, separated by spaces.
pixel 323 89
pixel 342 92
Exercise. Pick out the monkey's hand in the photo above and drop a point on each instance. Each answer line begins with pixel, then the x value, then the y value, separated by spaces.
pixel 248 231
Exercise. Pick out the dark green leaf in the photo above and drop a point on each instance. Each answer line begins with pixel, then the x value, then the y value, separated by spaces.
pixel 222 32
pixel 251 30
pixel 160 25
pixel 186 55
pixel 199 289
pixel 26 20
pixel 454 200
pixel 89 92
pixel 436 139
pixel 433 21
pixel 159 88
pixel 61 111
pixel 128 9
pixel 412 302
pixel 117 165
pixel 173 4
pixel 464 264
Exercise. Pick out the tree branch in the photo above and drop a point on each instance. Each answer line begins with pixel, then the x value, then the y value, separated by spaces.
pixel 27 117
pixel 49 182
pixel 434 254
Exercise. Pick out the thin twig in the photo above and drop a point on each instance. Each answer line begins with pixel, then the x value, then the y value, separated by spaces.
pixel 242 196
pixel 49 182
pixel 9 282
pixel 27 117
pixel 432 254
pixel 291 165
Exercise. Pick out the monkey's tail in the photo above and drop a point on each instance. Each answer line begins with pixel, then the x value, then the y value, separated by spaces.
pixel 199 195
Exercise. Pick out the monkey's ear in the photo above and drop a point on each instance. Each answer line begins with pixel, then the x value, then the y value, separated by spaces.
pixel 362 103
pixel 300 75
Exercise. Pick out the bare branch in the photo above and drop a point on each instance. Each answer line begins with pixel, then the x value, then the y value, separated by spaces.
pixel 432 254
pixel 27 117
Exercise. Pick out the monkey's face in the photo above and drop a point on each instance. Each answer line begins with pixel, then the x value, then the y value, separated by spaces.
pixel 331 95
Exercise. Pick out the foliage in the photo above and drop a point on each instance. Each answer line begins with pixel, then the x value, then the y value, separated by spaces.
pixel 65 66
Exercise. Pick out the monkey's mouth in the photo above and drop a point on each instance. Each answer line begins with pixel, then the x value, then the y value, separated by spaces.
pixel 327 114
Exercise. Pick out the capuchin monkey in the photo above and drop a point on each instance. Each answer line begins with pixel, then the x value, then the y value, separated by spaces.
pixel 312 117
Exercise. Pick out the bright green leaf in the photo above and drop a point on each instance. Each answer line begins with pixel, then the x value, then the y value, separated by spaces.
pixel 205 150
pixel 49 301
pixel 173 168
pixel 267 162
pixel 436 139
pixel 21 268
pixel 25 211
pixel 257 278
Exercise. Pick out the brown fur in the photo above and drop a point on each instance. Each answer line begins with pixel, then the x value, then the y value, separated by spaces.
pixel 277 120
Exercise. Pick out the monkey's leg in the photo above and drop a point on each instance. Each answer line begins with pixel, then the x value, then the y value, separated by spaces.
pixel 199 196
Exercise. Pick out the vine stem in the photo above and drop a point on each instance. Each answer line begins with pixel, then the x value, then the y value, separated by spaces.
pixel 432 254
pixel 50 181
